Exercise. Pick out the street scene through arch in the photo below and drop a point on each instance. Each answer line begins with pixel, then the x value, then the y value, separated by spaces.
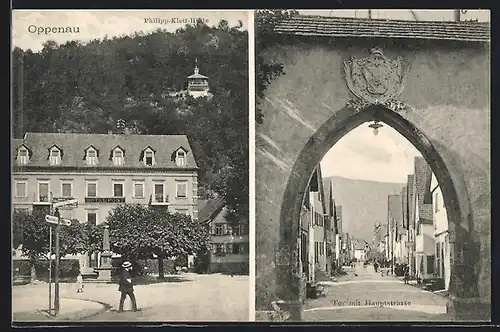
pixel 373 227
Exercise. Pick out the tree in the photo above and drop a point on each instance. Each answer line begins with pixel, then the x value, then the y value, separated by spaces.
pixel 140 232
pixel 375 255
pixel 266 21
pixel 35 237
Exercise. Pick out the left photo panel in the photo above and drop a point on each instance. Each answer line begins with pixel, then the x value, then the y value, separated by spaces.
pixel 130 163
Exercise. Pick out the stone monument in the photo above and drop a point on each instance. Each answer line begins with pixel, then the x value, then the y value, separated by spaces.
pixel 105 269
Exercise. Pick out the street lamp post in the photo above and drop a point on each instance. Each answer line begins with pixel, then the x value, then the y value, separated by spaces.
pixel 56 277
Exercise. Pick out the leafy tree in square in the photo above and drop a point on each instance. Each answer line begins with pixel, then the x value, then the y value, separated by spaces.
pixel 141 232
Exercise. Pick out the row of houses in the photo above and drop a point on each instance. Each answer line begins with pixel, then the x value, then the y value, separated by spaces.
pixel 324 247
pixel 101 171
pixel 416 233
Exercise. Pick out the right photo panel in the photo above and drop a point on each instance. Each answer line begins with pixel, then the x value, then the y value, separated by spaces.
pixel 372 165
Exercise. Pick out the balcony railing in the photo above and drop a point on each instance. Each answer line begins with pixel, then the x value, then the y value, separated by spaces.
pixel 159 200
pixel 41 199
pixel 105 200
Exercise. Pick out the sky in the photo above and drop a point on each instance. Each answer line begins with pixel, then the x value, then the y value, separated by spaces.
pixel 402 14
pixel 385 157
pixel 94 24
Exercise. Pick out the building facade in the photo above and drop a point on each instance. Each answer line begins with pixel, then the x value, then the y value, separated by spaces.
pixel 102 171
pixel 230 244
pixel 441 236
pixel 424 237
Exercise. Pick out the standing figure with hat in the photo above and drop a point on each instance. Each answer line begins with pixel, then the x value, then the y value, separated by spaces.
pixel 126 286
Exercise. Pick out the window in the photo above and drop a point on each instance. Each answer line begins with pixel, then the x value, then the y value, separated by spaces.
pixel 66 189
pixel 159 193
pixel 219 249
pixel 92 189
pixel 22 156
pixel 21 189
pixel 238 248
pixel 238 230
pixel 148 158
pixel 92 217
pixel 118 159
pixel 43 191
pixel 181 189
pixel 118 189
pixel 92 157
pixel 55 156
pixel 219 229
pixel 138 190
pixel 181 158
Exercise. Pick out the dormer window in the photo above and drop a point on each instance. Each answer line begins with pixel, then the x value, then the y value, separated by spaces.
pixel 92 156
pixel 23 156
pixel 180 158
pixel 55 155
pixel 148 156
pixel 118 157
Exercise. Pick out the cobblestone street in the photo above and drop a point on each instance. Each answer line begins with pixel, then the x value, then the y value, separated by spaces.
pixel 369 296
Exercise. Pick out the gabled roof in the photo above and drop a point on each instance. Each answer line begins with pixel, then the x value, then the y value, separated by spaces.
pixel 18 143
pixel 91 147
pixel 211 209
pixel 74 145
pixel 321 26
pixel 197 76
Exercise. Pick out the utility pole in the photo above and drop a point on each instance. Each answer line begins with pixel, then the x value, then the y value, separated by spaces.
pixel 56 288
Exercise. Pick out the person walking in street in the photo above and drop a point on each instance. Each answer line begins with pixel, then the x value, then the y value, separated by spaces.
pixel 375 266
pixel 126 286
pixel 79 283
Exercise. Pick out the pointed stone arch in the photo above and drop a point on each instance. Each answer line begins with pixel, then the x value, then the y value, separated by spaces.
pixel 401 117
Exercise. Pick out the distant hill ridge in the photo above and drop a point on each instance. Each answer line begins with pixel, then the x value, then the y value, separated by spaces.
pixel 364 203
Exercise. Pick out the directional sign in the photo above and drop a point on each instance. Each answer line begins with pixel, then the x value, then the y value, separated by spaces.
pixel 53 220
pixel 63 203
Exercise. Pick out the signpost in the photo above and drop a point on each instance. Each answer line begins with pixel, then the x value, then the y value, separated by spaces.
pixel 56 220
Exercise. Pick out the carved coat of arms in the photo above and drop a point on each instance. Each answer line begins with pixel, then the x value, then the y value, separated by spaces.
pixel 376 78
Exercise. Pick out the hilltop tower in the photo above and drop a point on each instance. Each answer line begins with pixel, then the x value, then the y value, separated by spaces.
pixel 197 83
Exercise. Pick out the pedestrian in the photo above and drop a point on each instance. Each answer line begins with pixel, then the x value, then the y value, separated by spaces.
pixel 126 286
pixel 79 283
pixel 375 266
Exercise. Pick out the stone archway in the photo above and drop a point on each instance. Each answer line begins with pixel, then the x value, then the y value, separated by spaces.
pixel 395 114
pixel 310 108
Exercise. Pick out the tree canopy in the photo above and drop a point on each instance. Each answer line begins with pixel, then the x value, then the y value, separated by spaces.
pixel 33 233
pixel 143 232
pixel 86 87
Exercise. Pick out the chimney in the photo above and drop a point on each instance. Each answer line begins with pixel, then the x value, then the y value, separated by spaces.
pixel 110 132
pixel 457 15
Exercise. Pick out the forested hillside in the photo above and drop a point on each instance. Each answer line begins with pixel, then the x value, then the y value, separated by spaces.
pixel 86 87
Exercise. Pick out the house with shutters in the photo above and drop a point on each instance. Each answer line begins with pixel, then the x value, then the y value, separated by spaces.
pixel 102 171
pixel 229 240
